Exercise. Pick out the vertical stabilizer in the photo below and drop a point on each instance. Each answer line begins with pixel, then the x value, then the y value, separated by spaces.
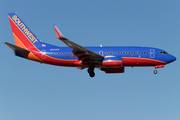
pixel 23 36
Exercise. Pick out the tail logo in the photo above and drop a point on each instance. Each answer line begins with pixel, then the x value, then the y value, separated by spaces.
pixel 24 29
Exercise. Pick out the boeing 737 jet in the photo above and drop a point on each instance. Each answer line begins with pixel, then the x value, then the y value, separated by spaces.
pixel 107 59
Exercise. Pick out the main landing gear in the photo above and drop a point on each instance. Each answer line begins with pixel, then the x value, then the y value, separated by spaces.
pixel 91 71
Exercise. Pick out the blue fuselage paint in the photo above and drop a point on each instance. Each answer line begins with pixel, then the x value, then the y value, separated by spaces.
pixel 65 53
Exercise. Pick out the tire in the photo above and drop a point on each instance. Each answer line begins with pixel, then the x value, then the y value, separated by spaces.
pixel 155 72
pixel 91 74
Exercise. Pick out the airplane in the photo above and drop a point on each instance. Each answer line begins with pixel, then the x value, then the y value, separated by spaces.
pixel 108 59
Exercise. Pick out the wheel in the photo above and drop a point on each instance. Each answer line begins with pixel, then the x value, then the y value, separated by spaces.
pixel 90 70
pixel 91 74
pixel 155 71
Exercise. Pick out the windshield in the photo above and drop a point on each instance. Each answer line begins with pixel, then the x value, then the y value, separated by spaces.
pixel 163 52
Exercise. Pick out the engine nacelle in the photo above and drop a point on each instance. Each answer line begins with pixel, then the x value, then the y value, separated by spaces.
pixel 113 70
pixel 112 62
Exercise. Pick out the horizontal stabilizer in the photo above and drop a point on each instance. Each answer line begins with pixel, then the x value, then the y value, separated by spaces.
pixel 16 48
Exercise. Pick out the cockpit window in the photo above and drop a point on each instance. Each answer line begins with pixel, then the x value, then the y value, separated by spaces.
pixel 163 52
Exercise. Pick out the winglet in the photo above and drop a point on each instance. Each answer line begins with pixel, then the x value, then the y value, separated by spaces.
pixel 59 34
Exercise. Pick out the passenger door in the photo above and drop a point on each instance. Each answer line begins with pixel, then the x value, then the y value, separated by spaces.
pixel 152 53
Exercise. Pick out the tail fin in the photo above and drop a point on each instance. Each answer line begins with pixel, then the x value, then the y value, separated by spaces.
pixel 23 36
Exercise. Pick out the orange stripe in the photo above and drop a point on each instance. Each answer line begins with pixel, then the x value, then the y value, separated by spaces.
pixel 30 56
pixel 18 42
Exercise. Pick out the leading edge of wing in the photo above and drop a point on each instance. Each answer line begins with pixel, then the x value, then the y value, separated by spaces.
pixel 77 48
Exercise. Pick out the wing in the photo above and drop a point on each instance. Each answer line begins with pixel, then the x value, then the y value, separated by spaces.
pixel 82 53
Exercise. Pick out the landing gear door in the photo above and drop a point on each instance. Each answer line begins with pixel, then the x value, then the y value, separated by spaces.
pixel 152 53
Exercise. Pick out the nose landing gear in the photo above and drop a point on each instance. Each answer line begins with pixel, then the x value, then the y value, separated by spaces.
pixel 155 72
pixel 158 66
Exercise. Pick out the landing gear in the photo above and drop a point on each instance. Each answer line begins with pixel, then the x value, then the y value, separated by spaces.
pixel 92 74
pixel 158 66
pixel 91 71
pixel 155 72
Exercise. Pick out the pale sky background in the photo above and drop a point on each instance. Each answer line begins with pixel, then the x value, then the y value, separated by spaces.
pixel 34 91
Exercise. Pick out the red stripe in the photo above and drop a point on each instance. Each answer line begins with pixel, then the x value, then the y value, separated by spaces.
pixel 141 62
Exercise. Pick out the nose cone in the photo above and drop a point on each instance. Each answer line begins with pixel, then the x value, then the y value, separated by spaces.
pixel 171 58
